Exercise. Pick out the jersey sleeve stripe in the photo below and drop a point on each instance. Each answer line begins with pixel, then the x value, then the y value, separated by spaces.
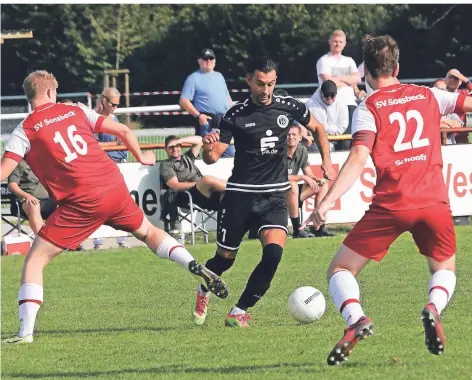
pixel 13 156
pixel 460 103
pixel 366 138
pixel 98 124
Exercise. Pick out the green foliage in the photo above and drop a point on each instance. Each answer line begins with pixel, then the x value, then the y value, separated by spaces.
pixel 159 43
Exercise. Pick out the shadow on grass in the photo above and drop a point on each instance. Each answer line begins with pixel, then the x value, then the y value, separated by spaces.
pixel 93 331
pixel 173 369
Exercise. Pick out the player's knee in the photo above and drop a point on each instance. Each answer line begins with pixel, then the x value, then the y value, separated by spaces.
pixel 223 263
pixel 226 253
pixel 271 256
pixel 166 246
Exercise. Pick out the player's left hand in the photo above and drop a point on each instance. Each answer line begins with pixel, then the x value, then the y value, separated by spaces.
pixel 148 158
pixel 317 217
pixel 328 171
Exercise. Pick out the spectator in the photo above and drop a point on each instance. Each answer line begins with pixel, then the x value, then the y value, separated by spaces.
pixel 454 79
pixel 35 202
pixel 297 160
pixel 440 83
pixel 361 95
pixel 180 173
pixel 205 96
pixel 343 72
pixel 108 102
pixel 330 111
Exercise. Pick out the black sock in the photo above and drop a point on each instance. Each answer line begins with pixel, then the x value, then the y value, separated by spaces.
pixel 261 277
pixel 295 223
pixel 218 265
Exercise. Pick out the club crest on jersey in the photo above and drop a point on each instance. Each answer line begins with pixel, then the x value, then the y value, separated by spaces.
pixel 282 121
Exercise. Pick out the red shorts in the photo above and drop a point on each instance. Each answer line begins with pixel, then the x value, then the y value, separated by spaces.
pixel 432 229
pixel 71 223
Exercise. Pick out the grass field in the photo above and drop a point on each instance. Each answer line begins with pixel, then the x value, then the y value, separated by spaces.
pixel 126 315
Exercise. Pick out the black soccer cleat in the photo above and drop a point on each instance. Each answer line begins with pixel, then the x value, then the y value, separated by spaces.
pixel 210 280
pixel 433 332
pixel 352 335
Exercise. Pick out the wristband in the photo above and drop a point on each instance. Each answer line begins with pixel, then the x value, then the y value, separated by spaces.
pixel 197 115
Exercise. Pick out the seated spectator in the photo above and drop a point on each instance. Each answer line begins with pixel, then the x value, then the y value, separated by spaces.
pixel 454 79
pixel 35 202
pixel 180 173
pixel 108 102
pixel 297 160
pixel 439 83
pixel 330 111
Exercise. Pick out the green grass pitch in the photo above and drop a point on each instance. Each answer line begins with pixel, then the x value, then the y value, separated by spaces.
pixel 127 315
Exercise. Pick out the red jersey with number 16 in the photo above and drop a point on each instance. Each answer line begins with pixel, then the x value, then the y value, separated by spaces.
pixel 57 142
pixel 400 124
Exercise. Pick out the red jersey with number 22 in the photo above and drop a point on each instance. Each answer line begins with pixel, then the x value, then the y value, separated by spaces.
pixel 401 126
pixel 57 142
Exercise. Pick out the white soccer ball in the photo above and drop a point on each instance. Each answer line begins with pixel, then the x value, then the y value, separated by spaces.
pixel 306 304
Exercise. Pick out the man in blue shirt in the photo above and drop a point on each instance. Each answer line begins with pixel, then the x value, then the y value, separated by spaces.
pixel 106 106
pixel 205 96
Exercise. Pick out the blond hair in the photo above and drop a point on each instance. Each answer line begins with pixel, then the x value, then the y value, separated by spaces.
pixel 111 92
pixel 338 33
pixel 37 83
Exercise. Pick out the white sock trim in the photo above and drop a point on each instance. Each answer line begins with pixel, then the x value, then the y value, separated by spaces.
pixel 166 247
pixel 30 292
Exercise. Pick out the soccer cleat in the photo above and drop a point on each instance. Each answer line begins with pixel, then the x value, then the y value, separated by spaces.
pixel 201 307
pixel 237 320
pixel 18 340
pixel 301 234
pixel 433 332
pixel 352 335
pixel 321 232
pixel 209 279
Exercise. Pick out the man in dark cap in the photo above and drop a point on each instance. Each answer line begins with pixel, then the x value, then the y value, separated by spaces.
pixel 205 96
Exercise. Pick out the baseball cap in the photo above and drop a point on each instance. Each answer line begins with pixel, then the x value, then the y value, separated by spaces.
pixel 206 53
pixel 329 87
pixel 456 73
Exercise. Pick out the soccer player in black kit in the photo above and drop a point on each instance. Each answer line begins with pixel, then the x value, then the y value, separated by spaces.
pixel 256 191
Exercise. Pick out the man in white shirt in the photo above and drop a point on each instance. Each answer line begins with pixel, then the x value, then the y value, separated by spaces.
pixel 340 69
pixel 329 109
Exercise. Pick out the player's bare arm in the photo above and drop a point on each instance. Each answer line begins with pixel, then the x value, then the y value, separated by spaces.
pixel 213 148
pixel 349 173
pixel 129 139
pixel 321 140
pixel 7 167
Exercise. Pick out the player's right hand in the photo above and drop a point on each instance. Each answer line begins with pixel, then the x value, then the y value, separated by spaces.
pixel 211 138
pixel 148 158
pixel 31 200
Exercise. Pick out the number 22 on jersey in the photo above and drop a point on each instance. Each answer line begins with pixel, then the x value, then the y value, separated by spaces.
pixel 78 143
pixel 417 142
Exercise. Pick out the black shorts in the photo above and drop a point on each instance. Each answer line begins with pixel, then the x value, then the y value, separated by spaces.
pixel 213 203
pixel 243 211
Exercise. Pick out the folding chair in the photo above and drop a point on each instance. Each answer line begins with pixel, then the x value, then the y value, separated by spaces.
pixel 11 208
pixel 191 214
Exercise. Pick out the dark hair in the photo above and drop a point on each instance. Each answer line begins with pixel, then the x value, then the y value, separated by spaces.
pixel 66 101
pixel 280 92
pixel 436 81
pixel 264 64
pixel 169 139
pixel 381 55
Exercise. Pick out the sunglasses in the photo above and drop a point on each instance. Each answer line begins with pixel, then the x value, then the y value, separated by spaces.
pixel 209 59
pixel 175 146
pixel 112 104
pixel 330 95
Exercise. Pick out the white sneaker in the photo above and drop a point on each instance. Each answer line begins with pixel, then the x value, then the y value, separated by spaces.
pixel 18 340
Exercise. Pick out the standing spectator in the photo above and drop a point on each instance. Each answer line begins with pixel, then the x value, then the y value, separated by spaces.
pixel 330 111
pixel 106 106
pixel 205 96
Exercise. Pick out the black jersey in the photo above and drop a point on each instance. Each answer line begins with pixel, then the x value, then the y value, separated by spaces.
pixel 260 140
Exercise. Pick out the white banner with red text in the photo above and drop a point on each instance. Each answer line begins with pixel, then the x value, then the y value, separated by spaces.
pixel 144 185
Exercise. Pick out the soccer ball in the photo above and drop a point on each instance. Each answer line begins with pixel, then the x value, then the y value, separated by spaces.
pixel 306 304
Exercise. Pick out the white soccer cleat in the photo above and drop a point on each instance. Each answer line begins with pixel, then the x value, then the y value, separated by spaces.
pixel 19 340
